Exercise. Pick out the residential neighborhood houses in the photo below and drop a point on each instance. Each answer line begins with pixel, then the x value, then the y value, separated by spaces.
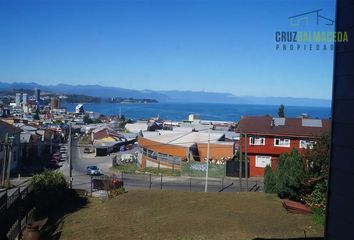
pixel 35 130
pixel 265 138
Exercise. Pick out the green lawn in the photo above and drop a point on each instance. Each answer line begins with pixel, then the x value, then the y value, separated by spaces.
pixel 125 168
pixel 86 140
pixel 143 214
pixel 133 168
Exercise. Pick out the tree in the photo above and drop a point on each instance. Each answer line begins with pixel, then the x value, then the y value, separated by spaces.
pixel 36 115
pixel 237 156
pixel 49 188
pixel 269 180
pixel 317 158
pixel 290 174
pixel 122 118
pixel 87 119
pixel 97 121
pixel 281 112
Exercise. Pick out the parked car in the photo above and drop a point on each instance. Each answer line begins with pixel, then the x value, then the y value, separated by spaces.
pixel 87 150
pixel 93 170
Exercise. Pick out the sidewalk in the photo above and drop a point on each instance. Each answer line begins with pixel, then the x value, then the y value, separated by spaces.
pixel 15 182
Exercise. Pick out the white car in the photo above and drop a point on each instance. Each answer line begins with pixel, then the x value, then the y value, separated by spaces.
pixel 93 170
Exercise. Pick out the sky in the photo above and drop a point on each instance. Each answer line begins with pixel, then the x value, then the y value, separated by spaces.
pixel 199 45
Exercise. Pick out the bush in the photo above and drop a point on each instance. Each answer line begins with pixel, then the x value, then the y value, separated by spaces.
pixel 49 189
pixel 290 174
pixel 269 180
pixel 116 192
pixel 317 199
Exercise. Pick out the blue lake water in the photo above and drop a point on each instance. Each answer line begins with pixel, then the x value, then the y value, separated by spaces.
pixel 207 111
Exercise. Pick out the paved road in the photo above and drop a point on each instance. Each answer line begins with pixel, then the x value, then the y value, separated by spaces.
pixel 80 161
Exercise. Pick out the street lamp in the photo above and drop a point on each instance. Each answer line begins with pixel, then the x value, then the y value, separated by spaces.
pixel 207 164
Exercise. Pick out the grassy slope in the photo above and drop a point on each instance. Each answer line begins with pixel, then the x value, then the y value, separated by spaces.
pixel 152 214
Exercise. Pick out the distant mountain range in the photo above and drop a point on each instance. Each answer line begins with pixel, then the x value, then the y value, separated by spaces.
pixel 168 96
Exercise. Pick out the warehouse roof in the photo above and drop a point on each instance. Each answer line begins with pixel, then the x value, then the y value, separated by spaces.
pixel 185 139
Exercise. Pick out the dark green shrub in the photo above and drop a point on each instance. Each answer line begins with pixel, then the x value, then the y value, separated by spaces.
pixel 290 174
pixel 49 189
pixel 269 180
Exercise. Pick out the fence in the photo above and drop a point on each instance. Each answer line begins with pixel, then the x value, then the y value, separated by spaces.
pixel 16 210
pixel 105 182
pixel 162 182
pixel 233 169
pixel 198 169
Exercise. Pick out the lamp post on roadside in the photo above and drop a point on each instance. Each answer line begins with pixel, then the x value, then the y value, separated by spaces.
pixel 70 158
pixel 207 164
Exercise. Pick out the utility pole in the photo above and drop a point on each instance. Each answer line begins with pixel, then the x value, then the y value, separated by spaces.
pixel 9 160
pixel 3 165
pixel 246 161
pixel 51 143
pixel 207 164
pixel 240 163
pixel 70 158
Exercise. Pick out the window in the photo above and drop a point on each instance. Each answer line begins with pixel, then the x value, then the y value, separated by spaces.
pixel 281 142
pixel 263 161
pixel 306 144
pixel 152 154
pixel 257 140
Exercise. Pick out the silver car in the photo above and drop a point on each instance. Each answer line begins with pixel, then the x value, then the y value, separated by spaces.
pixel 93 170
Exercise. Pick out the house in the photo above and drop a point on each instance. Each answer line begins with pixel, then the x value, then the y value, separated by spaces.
pixel 136 127
pixel 106 140
pixel 29 146
pixel 10 155
pixel 266 138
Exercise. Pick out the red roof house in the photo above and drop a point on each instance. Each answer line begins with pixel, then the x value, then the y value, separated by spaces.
pixel 267 138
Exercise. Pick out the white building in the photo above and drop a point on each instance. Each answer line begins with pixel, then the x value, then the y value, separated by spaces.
pixel 79 108
pixel 18 99
pixel 25 98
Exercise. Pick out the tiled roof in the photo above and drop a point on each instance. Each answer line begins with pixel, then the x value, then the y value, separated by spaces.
pixel 284 127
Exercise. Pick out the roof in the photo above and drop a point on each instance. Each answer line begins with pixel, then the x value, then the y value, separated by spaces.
pixel 182 138
pixel 7 128
pixel 104 144
pixel 25 137
pixel 100 128
pixel 25 127
pixel 283 126
pixel 136 127
pixel 79 105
